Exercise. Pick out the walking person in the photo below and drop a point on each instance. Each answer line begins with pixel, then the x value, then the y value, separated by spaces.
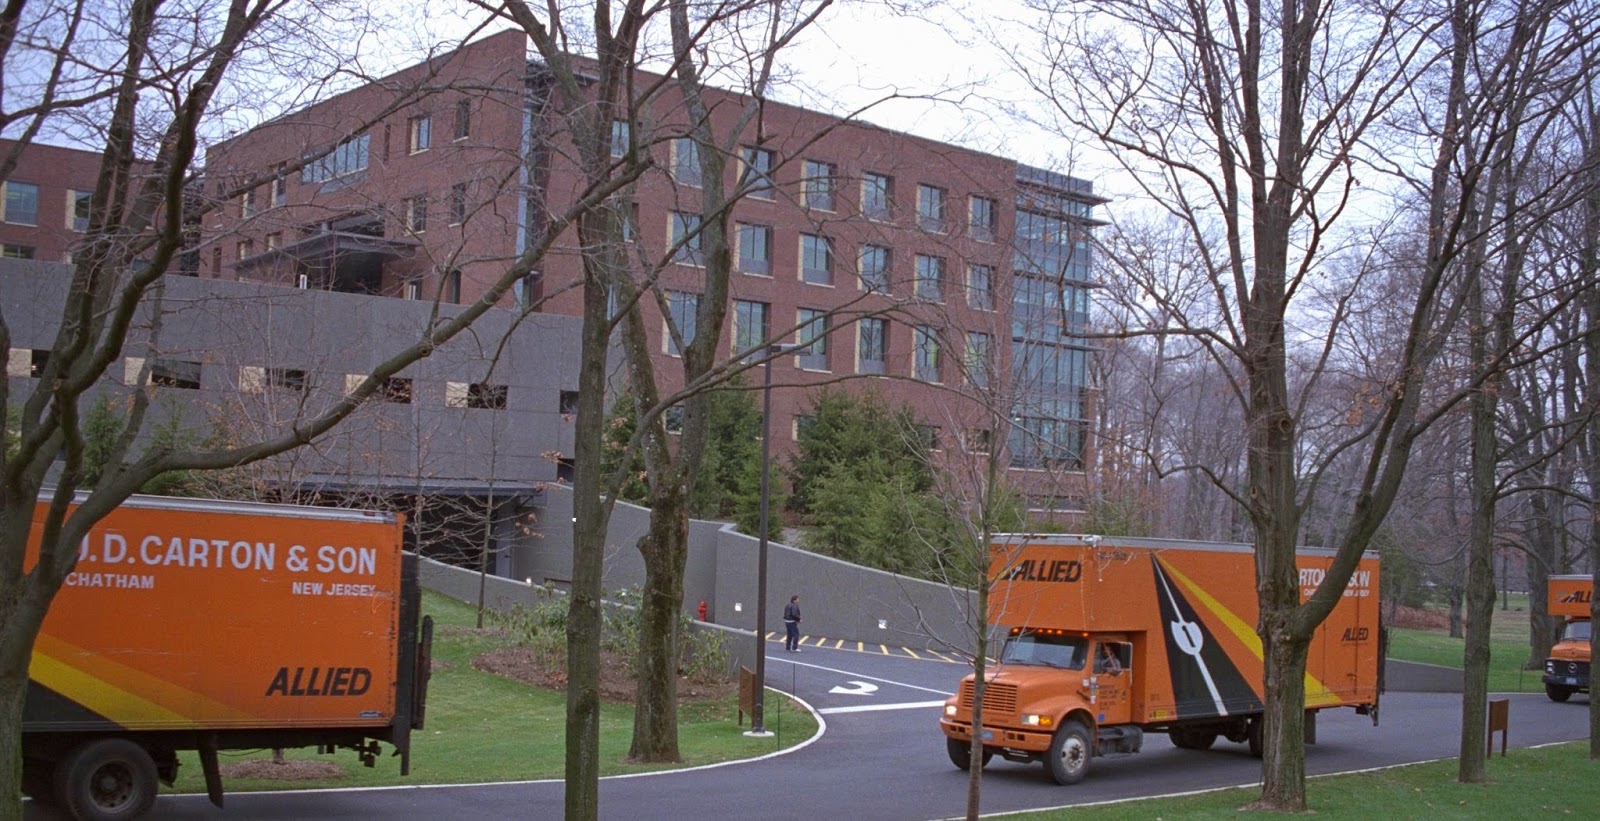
pixel 791 625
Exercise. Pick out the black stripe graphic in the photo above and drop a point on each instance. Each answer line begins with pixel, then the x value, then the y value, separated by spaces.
pixel 1205 681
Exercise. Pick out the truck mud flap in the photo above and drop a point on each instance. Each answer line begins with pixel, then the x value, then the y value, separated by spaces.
pixel 206 746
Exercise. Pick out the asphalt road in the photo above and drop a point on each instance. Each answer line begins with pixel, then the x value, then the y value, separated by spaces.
pixel 881 756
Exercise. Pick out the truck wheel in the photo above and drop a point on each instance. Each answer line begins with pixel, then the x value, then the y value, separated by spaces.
pixel 106 780
pixel 1193 739
pixel 37 783
pixel 961 753
pixel 1070 751
pixel 1557 692
pixel 1253 733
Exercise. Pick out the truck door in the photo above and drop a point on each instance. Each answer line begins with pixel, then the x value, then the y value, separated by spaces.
pixel 1113 675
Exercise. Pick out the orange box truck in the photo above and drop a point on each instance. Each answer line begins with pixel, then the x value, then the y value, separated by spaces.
pixel 1566 671
pixel 203 625
pixel 1107 640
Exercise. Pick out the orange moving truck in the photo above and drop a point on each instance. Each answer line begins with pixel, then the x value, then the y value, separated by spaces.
pixel 1567 670
pixel 203 625
pixel 1109 639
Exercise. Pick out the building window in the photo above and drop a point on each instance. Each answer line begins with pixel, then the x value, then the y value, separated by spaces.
pixel 980 287
pixel 757 173
pixel 686 239
pixel 78 203
pixel 755 249
pixel 1038 442
pixel 980 440
pixel 813 334
pixel 526 291
pixel 977 364
pixel 683 307
pixel 274 240
pixel 413 289
pixel 686 161
pixel 475 396
pixel 247 248
pixel 927 354
pixel 280 186
pixel 289 379
pixel 750 326
pixel 347 157
pixel 927 438
pixel 818 185
pixel 463 119
pixel 216 260
pixel 458 203
pixel 816 259
pixel 395 390
pixel 672 419
pixel 14 251
pixel 175 373
pixel 621 138
pixel 247 203
pixel 872 345
pixel 567 402
pixel 21 203
pixel 930 278
pixel 875 268
pixel 930 208
pixel 980 218
pixel 416 213
pixel 876 193
pixel 453 285
pixel 421 131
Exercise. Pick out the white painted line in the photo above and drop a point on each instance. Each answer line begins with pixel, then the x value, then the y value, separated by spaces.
pixel 853 674
pixel 867 708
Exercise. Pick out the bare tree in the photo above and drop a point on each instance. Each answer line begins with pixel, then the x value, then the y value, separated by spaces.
pixel 1261 124
pixel 151 93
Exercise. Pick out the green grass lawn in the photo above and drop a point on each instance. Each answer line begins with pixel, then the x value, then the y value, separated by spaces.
pixel 483 727
pixel 1508 648
pixel 1548 782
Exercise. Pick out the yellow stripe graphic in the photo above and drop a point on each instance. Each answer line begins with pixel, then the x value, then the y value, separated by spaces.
pixel 120 693
pixel 1316 693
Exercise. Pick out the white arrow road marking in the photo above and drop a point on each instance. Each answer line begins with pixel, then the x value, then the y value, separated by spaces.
pixel 870 708
pixel 861 688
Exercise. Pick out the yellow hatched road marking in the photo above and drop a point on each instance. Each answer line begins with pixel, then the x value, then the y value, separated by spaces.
pixel 910 653
pixel 838 644
pixel 884 648
pixel 860 648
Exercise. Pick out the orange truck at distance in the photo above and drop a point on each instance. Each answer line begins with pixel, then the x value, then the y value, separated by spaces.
pixel 192 624
pixel 1566 671
pixel 1109 639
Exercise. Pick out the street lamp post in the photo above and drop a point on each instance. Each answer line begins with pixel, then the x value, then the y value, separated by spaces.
pixel 758 712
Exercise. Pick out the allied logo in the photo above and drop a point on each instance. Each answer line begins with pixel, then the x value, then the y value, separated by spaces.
pixel 1041 570
pixel 1356 634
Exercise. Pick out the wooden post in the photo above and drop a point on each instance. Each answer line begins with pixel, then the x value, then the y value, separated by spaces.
pixel 1499 720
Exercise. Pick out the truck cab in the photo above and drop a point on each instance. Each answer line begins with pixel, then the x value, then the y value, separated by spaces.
pixel 1566 671
pixel 1055 696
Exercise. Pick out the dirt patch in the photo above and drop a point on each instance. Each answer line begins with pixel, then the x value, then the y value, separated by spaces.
pixel 1412 618
pixel 616 683
pixel 287 770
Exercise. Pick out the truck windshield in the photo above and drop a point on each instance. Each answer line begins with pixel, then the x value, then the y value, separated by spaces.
pixel 1576 631
pixel 1049 650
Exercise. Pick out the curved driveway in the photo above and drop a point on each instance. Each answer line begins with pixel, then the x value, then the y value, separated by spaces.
pixel 872 762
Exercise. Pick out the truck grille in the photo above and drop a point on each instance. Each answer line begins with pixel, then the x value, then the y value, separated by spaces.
pixel 997 697
pixel 1564 667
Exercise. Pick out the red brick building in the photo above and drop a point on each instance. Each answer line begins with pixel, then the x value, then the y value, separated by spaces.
pixel 946 272
pixel 44 205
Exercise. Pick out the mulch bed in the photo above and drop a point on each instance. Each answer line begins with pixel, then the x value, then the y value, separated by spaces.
pixel 288 770
pixel 1411 618
pixel 616 683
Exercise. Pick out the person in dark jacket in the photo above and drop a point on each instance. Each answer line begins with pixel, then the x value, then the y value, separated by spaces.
pixel 791 625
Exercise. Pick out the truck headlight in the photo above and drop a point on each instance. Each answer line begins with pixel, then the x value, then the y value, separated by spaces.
pixel 1031 720
pixel 949 709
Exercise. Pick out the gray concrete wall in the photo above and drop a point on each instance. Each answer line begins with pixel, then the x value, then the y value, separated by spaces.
pixel 838 599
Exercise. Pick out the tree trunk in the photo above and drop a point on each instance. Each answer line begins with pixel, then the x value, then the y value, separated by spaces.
pixel 13 693
pixel 665 552
pixel 1283 736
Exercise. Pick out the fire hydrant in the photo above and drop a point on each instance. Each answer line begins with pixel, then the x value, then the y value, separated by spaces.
pixel 702 609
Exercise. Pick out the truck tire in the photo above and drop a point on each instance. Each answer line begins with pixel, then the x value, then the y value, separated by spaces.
pixel 1186 739
pixel 109 779
pixel 1558 693
pixel 1070 752
pixel 1253 736
pixel 961 753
